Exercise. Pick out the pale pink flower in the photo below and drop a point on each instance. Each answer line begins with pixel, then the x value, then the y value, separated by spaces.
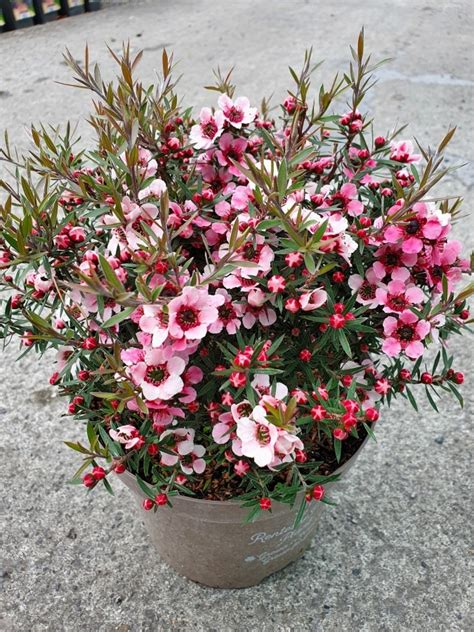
pixel 365 287
pixel 147 164
pixel 154 322
pixel 237 112
pixel 240 198
pixel 397 296
pixel 258 437
pixel 229 315
pixel 184 450
pixel 191 313
pixel 209 128
pixel 154 189
pixel 402 151
pixel 127 435
pixel 262 385
pixel 313 299
pixel 285 446
pixel 405 333
pixel 158 377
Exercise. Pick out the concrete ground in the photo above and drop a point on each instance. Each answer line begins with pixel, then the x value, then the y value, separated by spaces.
pixel 394 555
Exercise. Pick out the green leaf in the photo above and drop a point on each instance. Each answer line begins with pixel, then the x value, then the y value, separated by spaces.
pixel 78 447
pixel 300 514
pixel 431 400
pixel 337 449
pixel 309 262
pixel 117 318
pixel 456 393
pixel 282 179
pixel 344 343
pixel 411 399
pixel 110 274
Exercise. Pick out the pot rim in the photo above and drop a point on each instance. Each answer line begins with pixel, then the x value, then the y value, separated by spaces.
pixel 129 479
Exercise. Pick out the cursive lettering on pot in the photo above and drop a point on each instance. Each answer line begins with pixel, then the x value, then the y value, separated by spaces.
pixel 286 532
pixel 286 540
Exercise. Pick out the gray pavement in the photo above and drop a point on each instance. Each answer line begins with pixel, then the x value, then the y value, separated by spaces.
pixel 394 555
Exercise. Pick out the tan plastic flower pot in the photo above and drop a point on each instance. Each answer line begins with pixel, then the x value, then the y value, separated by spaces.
pixel 209 542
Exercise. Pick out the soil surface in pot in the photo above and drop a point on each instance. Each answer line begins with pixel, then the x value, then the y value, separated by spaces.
pixel 222 484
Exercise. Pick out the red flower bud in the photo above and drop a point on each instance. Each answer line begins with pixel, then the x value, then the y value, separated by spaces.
pixel 318 492
pixel 98 473
pixel 459 377
pixel 89 480
pixel 305 355
pixel 337 321
pixel 371 414
pixel 89 343
pixel 148 504
pixel 427 378
pixel 265 503
pixel 161 499
pixel 54 379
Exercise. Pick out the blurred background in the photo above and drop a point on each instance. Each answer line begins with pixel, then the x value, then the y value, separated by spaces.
pixel 394 554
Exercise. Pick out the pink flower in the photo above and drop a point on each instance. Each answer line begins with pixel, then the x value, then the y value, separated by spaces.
pixel 191 314
pixel 155 189
pixel 405 334
pixel 128 435
pixel 184 450
pixel 231 150
pixel 158 377
pixel 154 322
pixel 397 297
pixel 313 299
pixel 258 437
pixel 147 164
pixel 209 128
pixel 427 224
pixel 348 196
pixel 229 314
pixel 258 257
pixel 240 198
pixel 261 384
pixel 391 260
pixel 365 287
pixel 276 283
pixel 286 445
pixel 402 151
pixel 237 112
pixel 256 310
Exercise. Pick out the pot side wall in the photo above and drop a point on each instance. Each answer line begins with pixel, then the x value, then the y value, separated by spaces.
pixel 209 542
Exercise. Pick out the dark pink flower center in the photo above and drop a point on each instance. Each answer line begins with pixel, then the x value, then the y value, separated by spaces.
pixel 187 317
pixel 391 259
pixel 156 374
pixel 397 302
pixel 226 312
pixel 414 226
pixel 406 332
pixel 367 291
pixel 251 252
pixel 234 114
pixel 263 434
pixel 209 129
pixel 244 410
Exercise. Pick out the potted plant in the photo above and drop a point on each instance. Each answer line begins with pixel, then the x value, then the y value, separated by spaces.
pixel 232 296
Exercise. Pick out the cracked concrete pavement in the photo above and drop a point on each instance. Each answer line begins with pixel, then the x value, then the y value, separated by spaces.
pixel 394 555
